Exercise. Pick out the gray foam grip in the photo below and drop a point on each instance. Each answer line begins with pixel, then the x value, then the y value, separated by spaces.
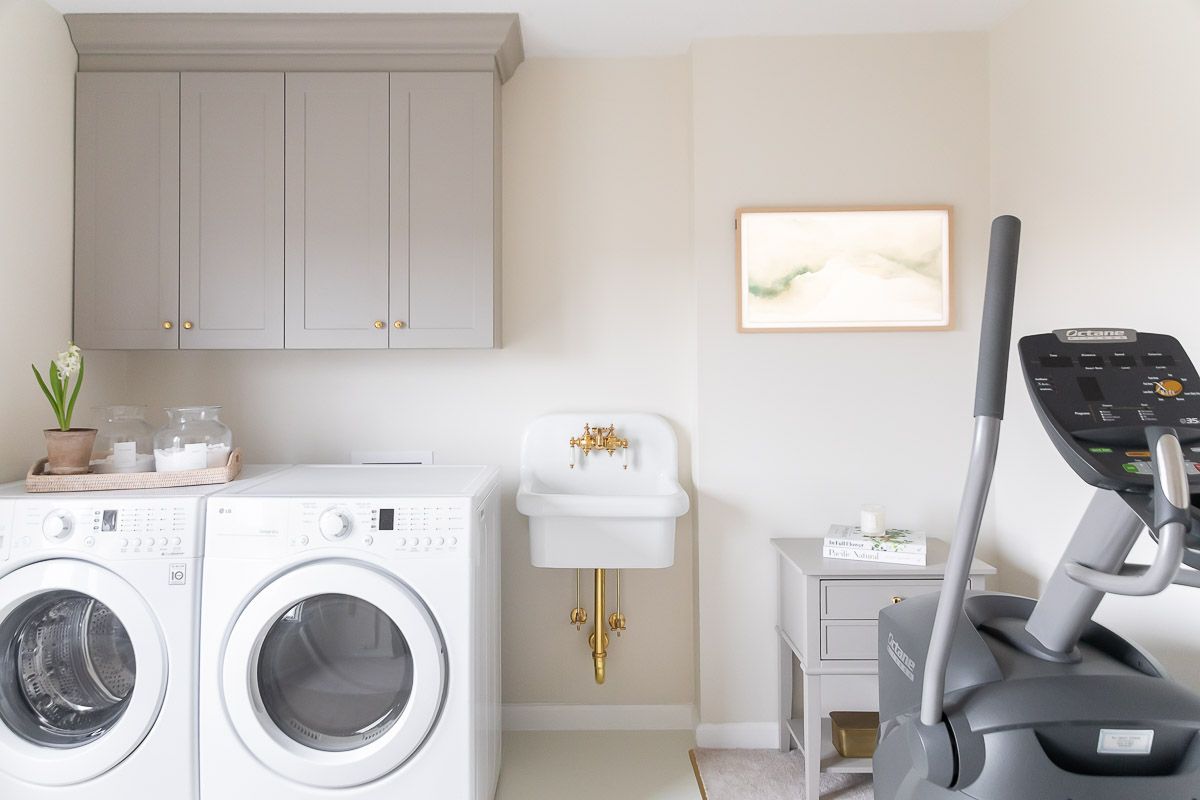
pixel 996 329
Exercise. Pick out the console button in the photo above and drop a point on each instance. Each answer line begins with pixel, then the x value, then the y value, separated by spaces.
pixel 1168 388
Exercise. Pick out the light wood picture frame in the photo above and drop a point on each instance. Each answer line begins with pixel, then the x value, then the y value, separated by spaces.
pixel 853 268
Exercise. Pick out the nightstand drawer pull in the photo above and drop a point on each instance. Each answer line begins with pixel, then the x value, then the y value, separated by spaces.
pixel 897 599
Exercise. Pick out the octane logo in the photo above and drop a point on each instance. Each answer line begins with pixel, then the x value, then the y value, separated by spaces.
pixel 902 659
pixel 1097 335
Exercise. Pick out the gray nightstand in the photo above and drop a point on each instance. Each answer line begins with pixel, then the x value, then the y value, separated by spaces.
pixel 828 611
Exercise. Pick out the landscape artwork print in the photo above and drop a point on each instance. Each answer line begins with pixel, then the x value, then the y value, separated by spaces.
pixel 844 269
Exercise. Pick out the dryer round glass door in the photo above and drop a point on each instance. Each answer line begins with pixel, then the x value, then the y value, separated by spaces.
pixel 83 671
pixel 334 674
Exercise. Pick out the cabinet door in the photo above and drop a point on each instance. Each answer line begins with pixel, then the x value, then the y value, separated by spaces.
pixel 337 210
pixel 443 210
pixel 231 210
pixel 127 210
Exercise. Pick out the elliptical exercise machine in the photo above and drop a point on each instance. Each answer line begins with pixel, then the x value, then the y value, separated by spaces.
pixel 993 696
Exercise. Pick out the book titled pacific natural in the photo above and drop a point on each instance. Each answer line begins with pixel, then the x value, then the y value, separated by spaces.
pixel 893 546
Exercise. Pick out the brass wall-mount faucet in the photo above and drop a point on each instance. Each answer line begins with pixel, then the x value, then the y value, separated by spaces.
pixel 596 437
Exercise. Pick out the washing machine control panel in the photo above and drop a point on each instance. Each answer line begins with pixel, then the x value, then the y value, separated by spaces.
pixel 427 527
pixel 109 528
pixel 6 517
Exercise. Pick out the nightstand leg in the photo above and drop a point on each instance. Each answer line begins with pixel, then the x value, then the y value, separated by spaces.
pixel 812 736
pixel 785 695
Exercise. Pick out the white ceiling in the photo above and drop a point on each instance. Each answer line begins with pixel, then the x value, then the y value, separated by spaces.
pixel 634 27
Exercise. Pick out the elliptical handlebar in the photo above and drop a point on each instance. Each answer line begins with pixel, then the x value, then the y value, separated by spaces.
pixel 991 381
pixel 1172 518
pixel 996 328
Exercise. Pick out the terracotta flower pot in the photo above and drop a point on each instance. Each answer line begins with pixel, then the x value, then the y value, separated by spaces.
pixel 69 452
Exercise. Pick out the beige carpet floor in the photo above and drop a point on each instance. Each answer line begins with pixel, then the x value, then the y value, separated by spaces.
pixel 769 775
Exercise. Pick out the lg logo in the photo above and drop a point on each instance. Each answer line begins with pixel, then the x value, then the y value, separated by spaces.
pixel 177 575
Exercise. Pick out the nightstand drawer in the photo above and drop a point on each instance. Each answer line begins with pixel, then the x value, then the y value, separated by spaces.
pixel 850 640
pixel 863 599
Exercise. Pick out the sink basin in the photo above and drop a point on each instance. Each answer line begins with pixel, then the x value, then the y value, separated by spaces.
pixel 600 514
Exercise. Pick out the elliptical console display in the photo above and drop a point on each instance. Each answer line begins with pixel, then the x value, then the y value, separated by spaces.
pixel 1096 391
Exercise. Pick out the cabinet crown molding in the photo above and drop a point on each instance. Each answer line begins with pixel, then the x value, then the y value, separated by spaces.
pixel 298 42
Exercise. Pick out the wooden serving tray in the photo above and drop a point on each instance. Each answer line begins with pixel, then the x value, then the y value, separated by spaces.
pixel 38 481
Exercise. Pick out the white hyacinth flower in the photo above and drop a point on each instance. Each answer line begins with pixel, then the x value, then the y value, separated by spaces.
pixel 67 362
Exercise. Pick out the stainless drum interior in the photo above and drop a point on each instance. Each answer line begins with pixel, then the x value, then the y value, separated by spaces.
pixel 67 670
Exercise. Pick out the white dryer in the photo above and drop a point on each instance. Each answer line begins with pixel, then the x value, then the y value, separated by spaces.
pixel 350 636
pixel 99 630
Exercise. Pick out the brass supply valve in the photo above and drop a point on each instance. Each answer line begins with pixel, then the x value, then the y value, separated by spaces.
pixel 578 617
pixel 616 622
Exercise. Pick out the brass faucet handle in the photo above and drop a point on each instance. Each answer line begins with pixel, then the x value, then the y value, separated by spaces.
pixel 578 617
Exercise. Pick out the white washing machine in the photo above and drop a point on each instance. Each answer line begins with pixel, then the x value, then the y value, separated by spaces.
pixel 350 636
pixel 99 630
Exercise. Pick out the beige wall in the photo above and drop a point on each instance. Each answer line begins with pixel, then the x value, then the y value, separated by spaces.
pixel 1095 114
pixel 798 430
pixel 598 313
pixel 37 104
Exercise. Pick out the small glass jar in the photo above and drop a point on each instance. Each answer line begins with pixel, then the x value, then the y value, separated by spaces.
pixel 193 438
pixel 125 441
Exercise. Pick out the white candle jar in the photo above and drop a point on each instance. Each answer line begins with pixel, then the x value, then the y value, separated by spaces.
pixel 193 438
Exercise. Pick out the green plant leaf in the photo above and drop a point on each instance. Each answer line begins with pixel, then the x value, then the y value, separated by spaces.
pixel 74 395
pixel 60 399
pixel 46 391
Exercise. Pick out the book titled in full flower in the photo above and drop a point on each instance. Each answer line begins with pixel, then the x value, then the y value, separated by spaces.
pixel 893 546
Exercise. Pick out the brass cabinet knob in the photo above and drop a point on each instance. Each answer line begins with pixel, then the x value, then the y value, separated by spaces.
pixel 168 325
pixel 378 324
pixel 187 326
pixel 897 599
pixel 398 324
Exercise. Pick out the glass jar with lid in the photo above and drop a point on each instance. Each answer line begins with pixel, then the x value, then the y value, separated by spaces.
pixel 124 442
pixel 193 438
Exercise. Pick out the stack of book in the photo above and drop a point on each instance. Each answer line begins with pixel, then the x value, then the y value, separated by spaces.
pixel 893 546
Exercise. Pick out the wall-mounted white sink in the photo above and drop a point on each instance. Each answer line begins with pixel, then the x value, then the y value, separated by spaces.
pixel 600 514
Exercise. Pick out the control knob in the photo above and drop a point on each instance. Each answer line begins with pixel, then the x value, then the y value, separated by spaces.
pixel 58 526
pixel 335 524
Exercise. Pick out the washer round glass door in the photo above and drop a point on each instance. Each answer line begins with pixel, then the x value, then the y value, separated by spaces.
pixel 334 674
pixel 82 671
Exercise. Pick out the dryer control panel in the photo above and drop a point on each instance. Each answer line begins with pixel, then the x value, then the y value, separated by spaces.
pixel 111 528
pixel 388 527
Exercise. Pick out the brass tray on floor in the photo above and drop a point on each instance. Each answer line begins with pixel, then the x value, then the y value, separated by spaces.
pixel 38 481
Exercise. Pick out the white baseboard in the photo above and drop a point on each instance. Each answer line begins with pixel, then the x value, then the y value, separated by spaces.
pixel 738 735
pixel 569 717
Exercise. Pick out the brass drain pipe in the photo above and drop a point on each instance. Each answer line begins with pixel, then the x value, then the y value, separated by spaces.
pixel 599 639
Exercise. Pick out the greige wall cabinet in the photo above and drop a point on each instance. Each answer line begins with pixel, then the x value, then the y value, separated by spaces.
pixel 231 210
pixel 337 210
pixel 444 277
pixel 127 210
pixel 300 210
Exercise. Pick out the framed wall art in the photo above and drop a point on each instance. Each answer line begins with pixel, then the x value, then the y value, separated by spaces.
pixel 871 268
